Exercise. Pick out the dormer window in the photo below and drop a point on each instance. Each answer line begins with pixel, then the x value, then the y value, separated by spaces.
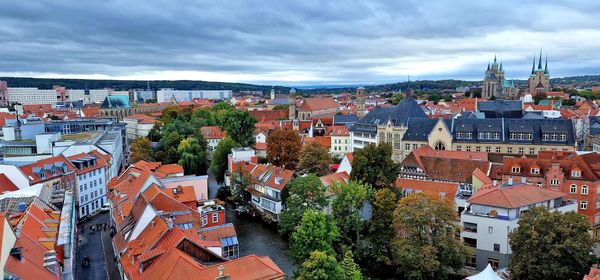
pixel 535 171
pixel 576 173
pixel 516 169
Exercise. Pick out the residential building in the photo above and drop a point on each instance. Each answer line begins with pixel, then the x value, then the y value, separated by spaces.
pixel 91 181
pixel 167 95
pixel 494 212
pixel 340 141
pixel 577 176
pixel 265 188
pixel 330 180
pixel 213 135
pixel 55 173
pixel 138 125
pixel 316 107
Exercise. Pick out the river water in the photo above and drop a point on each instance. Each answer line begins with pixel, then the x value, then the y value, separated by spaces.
pixel 258 238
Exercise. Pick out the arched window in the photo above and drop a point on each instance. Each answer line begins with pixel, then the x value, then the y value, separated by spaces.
pixel 440 146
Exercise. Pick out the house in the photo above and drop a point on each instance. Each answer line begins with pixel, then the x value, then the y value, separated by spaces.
pixel 494 212
pixel 332 180
pixel 346 164
pixel 265 188
pixel 317 107
pixel 54 172
pixel 340 141
pixel 91 182
pixel 577 176
pixel 213 135
pixel 139 125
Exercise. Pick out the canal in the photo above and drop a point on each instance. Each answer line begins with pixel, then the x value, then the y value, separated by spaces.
pixel 258 238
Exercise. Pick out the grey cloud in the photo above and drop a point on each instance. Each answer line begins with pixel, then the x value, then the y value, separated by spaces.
pixel 337 41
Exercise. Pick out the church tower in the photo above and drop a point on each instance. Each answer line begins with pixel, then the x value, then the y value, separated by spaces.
pixel 292 104
pixel 360 102
pixel 272 93
pixel 539 80
pixel 493 81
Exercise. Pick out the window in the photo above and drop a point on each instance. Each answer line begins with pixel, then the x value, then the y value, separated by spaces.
pixel 204 220
pixel 495 263
pixel 516 169
pixel 85 187
pixel 513 136
pixel 469 135
pixel 459 135
pixel 576 173
pixel 459 148
pixel 496 247
pixel 498 150
pixel 440 146
pixel 509 150
pixel 215 217
pixel 415 146
pixel 583 205
pixel 471 242
pixel 563 137
pixel 470 227
pixel 554 182
pixel 407 147
pixel 535 171
pixel 584 190
pixel 99 180
pixel 471 261
pixel 521 150
pixel 490 229
pixel 529 136
pixel 496 135
pixel 468 148
pixel 532 151
pixel 478 149
pixel 488 149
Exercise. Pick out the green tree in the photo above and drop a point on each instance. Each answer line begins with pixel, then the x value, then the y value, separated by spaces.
pixel 169 114
pixel 304 193
pixel 167 148
pixel 376 254
pixel 321 266
pixel 219 158
pixel 192 156
pixel 240 180
pixel 551 245
pixel 350 268
pixel 397 97
pixel 374 165
pixel 141 150
pixel 316 232
pixel 425 246
pixel 202 117
pixel 154 134
pixel 221 106
pixel 184 128
pixel 240 127
pixel 283 148
pixel 347 209
pixel 315 159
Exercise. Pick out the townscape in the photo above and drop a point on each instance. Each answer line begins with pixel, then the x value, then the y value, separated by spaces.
pixel 147 184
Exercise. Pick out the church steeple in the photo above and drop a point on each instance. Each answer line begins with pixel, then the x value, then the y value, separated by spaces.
pixel 546 67
pixel 500 65
pixel 533 66
pixel 540 61
pixel 494 58
pixel 488 69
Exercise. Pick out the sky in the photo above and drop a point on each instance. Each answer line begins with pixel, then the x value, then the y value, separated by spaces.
pixel 300 43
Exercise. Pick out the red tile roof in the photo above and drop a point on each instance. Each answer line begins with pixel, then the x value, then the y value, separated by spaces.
pixel 434 189
pixel 317 104
pixel 91 112
pixel 6 116
pixel 49 162
pixel 593 275
pixel 338 130
pixel 324 141
pixel 513 196
pixel 6 185
pixel 269 115
pixel 141 118
pixel 335 178
pixel 100 162
pixel 269 175
pixel 435 164
pixel 589 164
pixel 212 132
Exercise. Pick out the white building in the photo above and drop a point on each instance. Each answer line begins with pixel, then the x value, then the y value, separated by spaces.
pixel 91 182
pixel 31 95
pixel 138 125
pixel 269 181
pixel 493 213
pixel 166 95
pixel 340 141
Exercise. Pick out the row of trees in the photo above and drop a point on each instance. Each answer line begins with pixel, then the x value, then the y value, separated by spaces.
pixel 180 140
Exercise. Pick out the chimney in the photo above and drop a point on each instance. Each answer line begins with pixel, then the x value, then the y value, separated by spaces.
pixel 222 275
pixel 510 181
pixel 170 223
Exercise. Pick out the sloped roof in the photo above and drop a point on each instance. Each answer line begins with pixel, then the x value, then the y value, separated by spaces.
pixel 269 115
pixel 212 132
pixel 515 196
pixel 6 185
pixel 335 178
pixel 398 115
pixel 318 103
pixel 435 189
pixel 45 166
pixel 271 176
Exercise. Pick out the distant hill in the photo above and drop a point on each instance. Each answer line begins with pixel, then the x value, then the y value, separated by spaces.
pixel 425 85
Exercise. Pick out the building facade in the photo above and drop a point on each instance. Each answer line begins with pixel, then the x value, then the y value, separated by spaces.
pixel 167 95
pixel 91 182
pixel 493 82
pixel 539 80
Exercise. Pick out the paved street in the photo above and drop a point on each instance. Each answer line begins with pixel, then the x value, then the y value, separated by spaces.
pixel 91 246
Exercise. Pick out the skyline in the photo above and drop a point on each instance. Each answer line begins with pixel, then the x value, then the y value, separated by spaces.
pixel 295 44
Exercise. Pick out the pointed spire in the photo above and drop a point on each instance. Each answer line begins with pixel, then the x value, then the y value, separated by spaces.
pixel 540 61
pixel 500 65
pixel 546 67
pixel 488 69
pixel 494 58
pixel 533 67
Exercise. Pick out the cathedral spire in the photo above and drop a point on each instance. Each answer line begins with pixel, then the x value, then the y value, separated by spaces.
pixel 546 67
pixel 540 61
pixel 500 65
pixel 533 67
pixel 494 58
pixel 488 69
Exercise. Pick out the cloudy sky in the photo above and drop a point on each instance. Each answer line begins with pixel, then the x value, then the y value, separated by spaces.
pixel 303 42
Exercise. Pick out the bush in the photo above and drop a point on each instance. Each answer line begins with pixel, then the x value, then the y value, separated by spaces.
pixel 223 193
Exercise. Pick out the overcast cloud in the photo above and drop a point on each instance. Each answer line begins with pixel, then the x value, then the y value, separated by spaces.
pixel 295 42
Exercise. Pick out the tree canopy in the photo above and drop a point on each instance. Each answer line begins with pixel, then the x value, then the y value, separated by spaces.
pixel 374 165
pixel 305 193
pixel 315 159
pixel 141 150
pixel 551 245
pixel 283 148
pixel 218 164
pixel 321 266
pixel 425 245
pixel 192 156
pixel 239 126
pixel 316 232
pixel 348 208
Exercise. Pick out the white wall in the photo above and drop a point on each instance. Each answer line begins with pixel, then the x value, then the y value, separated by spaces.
pixel 15 175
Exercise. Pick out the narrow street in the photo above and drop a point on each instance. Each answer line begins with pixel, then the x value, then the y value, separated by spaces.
pixel 100 253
